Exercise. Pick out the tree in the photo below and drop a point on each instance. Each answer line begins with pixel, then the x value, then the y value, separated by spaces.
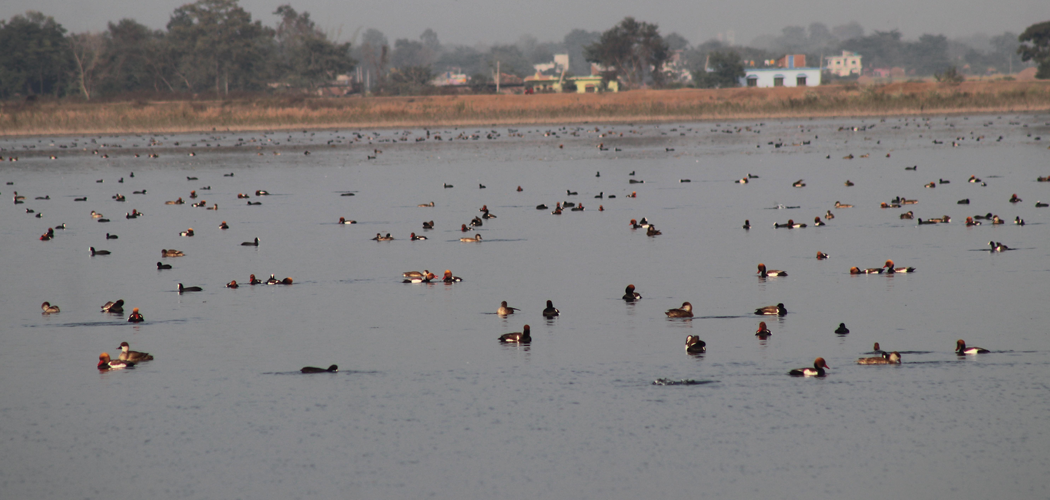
pixel 848 31
pixel 633 50
pixel 412 80
pixel 217 43
pixel 409 53
pixel 510 59
pixel 928 55
pixel 676 42
pixel 950 75
pixel 574 44
pixel 724 70
pixel 1004 48
pixel 1035 46
pixel 375 54
pixel 134 59
pixel 88 54
pixel 305 56
pixel 35 58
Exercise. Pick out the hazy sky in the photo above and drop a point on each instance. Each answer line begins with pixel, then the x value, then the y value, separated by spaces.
pixel 475 21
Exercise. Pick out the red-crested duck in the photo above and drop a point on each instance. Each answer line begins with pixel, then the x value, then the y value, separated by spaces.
pixel 106 364
pixel 135 317
pixel 630 295
pixel 892 270
pixel 772 272
pixel 961 349
pixel 817 371
pixel 763 330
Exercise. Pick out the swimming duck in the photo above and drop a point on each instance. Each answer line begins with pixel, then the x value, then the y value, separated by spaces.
pixel 889 205
pixel 449 278
pixel 870 270
pixel 848 183
pixel 1019 221
pixel 1014 198
pixel 475 239
pixel 522 337
pixel 908 215
pixel 241 196
pixel 747 223
pixel 98 252
pixel 254 203
pixel 892 270
pixel 630 295
pixel 426 205
pixel 416 277
pixel 635 225
pixel 163 266
pixel 961 349
pixel 224 225
pixel 686 311
pixel 541 206
pixel 261 192
pixel 842 330
pixel 550 311
pixel 504 309
pixel 232 284
pixel 791 224
pixel 887 358
pixel 96 215
pixel 476 222
pixel 106 364
pixel 997 246
pixel 943 181
pixel 272 280
pixel 48 308
pixel 821 255
pixel 997 220
pixel 189 288
pixel 577 208
pixel 842 205
pixel 253 243
pixel 741 181
pixel 798 183
pixel 252 280
pixel 1039 204
pixel 877 350
pixel 462 228
pixel 175 202
pixel 428 225
pixel 652 231
pixel 128 355
pixel 930 185
pixel 773 272
pixel 314 369
pixel 188 232
pixel 413 237
pixel 763 331
pixel 693 345
pixel 778 310
pixel 114 307
pixel 135 316
pixel 342 220
pixel 817 222
pixel 829 215
pixel 817 371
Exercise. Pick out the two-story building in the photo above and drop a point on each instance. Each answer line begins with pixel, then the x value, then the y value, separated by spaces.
pixel 790 71
pixel 845 65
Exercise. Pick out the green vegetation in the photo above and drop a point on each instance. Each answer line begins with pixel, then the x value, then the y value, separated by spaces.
pixel 1037 47
pixel 632 51
pixel 724 70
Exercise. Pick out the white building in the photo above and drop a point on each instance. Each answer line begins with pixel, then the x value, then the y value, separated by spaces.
pixel 845 65
pixel 781 77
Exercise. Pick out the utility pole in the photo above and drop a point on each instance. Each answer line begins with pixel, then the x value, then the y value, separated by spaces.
pixel 497 77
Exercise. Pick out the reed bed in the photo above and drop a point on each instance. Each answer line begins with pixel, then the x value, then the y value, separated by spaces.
pixel 294 112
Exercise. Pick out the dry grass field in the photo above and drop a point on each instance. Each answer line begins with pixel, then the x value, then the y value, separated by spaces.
pixel 299 112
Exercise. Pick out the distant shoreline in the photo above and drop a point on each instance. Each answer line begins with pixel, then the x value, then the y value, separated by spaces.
pixel 640 106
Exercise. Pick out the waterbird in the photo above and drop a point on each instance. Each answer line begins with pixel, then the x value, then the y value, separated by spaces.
pixel 817 371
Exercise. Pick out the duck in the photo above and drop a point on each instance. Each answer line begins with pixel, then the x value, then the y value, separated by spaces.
pixel 686 311
pixel 693 345
pixel 522 337
pixel 821 255
pixel 188 232
pixel 475 239
pixel 232 284
pixel 135 316
pixel 577 208
pixel 504 309
pixel 961 349
pixel 342 220
pixel 791 224
pixel 941 220
pixel 763 331
pixel 943 181
pixel 1039 204
pixel 908 215
pixel 413 237
pixel 114 307
pixel 98 252
pixel 49 309
pixel 163 266
pixel 741 180
pixel 541 206
pixel 964 201
pixel 889 205
pixel 1019 221
pixel 842 330
pixel 630 295
pixel 174 202
pixel 892 270
pixel 997 246
pixel 772 272
pixel 652 231
pixel 817 222
pixel 974 179
pixel 462 228
pixel 1015 199
pixel 253 243
pixel 274 281
pixel 550 311
pixel 189 288
pixel 635 225
pixel 926 222
pixel 224 225
pixel 314 369
pixel 829 215
pixel 849 183
pixel 817 371
pixel 843 205
pixel 171 253
pixel 261 192
pixel 424 277
pixel 778 310
pixel 252 280
pixel 106 364
pixel 426 205
pixel 870 270
pixel 241 196
pixel 997 220
pixel 428 225
pixel 449 278
pixel 798 183
pixel 747 223
pixel 250 203
pixel 887 358
pixel 476 222
pixel 930 185
pixel 128 355
pixel 96 215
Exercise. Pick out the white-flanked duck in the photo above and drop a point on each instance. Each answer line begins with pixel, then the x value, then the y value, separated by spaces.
pixel 128 355
pixel 894 270
pixel 114 307
pixel 998 246
pixel 887 358
pixel 961 349
pixel 630 295
pixel 504 309
pixel 424 277
pixel 817 371
pixel 342 220
pixel 550 311
pixel 870 270
pixel 693 345
pixel 522 337
pixel 763 330
pixel 449 278
pixel 314 369
pixel 686 311
pixel 413 237
pixel 135 317
pixel 772 272
pixel 106 364
pixel 47 308
pixel 821 255
pixel 188 232
pixel 817 222
pixel 778 310
pixel 791 224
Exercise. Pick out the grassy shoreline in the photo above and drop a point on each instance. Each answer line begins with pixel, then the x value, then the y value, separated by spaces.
pixel 644 106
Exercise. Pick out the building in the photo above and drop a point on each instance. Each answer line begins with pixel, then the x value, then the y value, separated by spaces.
pixel 845 65
pixel 790 71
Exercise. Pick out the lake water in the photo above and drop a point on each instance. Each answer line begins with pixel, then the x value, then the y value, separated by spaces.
pixel 427 402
